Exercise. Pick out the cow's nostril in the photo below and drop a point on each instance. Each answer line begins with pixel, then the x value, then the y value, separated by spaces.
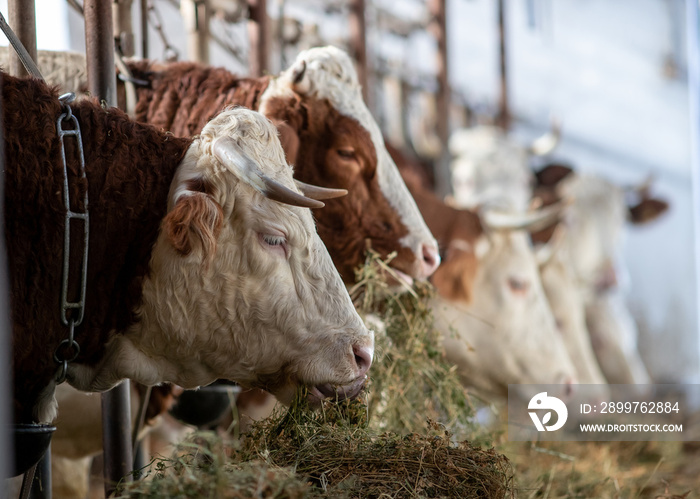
pixel 431 259
pixel 569 388
pixel 363 358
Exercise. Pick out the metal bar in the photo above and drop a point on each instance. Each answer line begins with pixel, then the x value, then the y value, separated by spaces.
pixel 503 117
pixel 195 14
pixel 257 36
pixel 99 45
pixel 123 27
pixel 358 36
pixel 21 52
pixel 438 25
pixel 6 377
pixel 116 422
pixel 41 486
pixel 22 17
pixel 144 28
pixel 116 436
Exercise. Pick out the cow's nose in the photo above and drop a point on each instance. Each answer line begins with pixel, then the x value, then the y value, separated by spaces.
pixel 363 358
pixel 569 387
pixel 430 260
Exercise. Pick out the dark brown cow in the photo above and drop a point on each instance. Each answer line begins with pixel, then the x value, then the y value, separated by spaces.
pixel 330 138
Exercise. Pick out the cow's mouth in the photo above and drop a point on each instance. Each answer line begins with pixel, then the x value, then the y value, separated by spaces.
pixel 319 393
pixel 394 277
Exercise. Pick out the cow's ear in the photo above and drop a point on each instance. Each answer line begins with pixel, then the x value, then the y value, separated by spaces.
pixel 195 220
pixel 454 278
pixel 289 140
pixel 647 210
pixel 552 174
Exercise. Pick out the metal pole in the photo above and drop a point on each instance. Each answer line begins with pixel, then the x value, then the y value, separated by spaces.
pixel 116 422
pixel 358 37
pixel 99 44
pixel 123 27
pixel 438 25
pixel 195 14
pixel 41 485
pixel 22 19
pixel 503 118
pixel 6 463
pixel 257 36
pixel 144 29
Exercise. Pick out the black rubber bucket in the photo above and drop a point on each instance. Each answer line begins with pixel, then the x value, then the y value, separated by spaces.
pixel 31 442
pixel 205 406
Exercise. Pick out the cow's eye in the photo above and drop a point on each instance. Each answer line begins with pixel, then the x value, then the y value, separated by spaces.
pixel 273 240
pixel 347 153
pixel 275 243
pixel 518 286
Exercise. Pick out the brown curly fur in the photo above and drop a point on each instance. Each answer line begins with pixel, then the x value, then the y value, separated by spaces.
pixel 182 97
pixel 129 167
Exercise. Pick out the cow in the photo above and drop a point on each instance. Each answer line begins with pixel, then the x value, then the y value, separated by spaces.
pixel 203 260
pixel 491 311
pixel 490 168
pixel 594 221
pixel 328 135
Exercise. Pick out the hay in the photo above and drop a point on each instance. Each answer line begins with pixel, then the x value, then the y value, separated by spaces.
pixel 67 70
pixel 410 379
pixel 645 470
pixel 333 454
pixel 376 446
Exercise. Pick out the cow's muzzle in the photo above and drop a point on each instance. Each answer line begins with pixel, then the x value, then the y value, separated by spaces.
pixel 319 393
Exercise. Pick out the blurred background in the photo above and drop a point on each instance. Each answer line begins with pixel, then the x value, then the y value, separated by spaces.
pixel 620 77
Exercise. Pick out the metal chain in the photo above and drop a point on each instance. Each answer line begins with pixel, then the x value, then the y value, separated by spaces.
pixel 68 350
pixel 170 53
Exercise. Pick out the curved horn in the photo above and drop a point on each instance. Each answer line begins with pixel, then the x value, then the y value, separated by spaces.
pixel 317 192
pixel 227 151
pixel 547 142
pixel 531 221
pixel 298 73
pixel 643 188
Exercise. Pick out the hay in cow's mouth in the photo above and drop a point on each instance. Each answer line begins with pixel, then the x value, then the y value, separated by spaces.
pixel 411 380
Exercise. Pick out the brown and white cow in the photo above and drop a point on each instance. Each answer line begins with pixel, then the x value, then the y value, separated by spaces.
pixel 495 321
pixel 196 268
pixel 491 169
pixel 328 135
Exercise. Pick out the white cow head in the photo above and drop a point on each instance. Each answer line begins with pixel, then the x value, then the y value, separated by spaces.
pixel 240 286
pixel 506 333
pixel 595 220
pixel 489 168
pixel 566 300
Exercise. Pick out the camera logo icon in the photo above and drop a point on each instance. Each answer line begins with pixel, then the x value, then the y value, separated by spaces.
pixel 542 401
